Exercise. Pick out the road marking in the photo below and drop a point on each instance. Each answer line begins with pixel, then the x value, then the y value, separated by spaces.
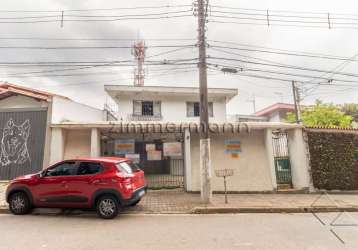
pixel 335 234
pixel 318 218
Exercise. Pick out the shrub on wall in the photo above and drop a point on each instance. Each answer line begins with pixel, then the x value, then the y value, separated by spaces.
pixel 334 160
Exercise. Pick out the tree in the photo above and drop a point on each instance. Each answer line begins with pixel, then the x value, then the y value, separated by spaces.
pixel 320 114
pixel 351 109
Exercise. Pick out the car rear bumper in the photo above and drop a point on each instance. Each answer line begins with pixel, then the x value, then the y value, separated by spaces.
pixel 137 195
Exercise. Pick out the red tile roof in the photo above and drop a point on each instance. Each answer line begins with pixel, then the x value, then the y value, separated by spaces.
pixel 275 107
pixel 9 89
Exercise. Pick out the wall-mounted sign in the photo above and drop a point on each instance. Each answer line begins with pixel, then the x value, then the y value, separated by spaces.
pixel 172 149
pixel 133 157
pixel 124 146
pixel 149 147
pixel 232 147
pixel 154 155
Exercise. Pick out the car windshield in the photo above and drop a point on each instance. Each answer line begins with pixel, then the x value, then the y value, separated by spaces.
pixel 128 167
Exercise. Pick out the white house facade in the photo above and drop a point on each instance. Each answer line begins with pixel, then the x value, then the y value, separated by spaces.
pixel 158 128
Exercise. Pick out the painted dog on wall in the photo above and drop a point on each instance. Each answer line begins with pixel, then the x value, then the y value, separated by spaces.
pixel 13 145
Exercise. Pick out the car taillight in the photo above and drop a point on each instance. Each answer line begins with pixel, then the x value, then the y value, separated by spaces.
pixel 127 182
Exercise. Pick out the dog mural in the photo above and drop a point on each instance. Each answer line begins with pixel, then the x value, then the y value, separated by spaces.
pixel 13 145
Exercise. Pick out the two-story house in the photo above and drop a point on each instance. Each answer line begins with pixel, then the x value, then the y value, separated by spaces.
pixel 168 104
pixel 161 155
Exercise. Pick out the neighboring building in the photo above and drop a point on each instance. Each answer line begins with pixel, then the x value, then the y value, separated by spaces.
pixel 247 118
pixel 25 118
pixel 276 112
pixel 167 104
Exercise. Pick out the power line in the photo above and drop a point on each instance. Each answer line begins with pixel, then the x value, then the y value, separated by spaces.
pixel 240 73
pixel 114 63
pixel 285 73
pixel 94 39
pixel 269 50
pixel 92 47
pixel 96 20
pixel 285 66
pixel 99 9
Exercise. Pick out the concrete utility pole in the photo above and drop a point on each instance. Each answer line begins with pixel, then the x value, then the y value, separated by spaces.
pixel 205 161
pixel 253 100
pixel 296 99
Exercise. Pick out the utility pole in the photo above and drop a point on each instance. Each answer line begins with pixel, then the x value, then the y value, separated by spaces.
pixel 296 99
pixel 253 100
pixel 205 161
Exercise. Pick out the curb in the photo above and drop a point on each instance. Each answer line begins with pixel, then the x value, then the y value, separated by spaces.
pixel 4 210
pixel 235 210
pixel 206 210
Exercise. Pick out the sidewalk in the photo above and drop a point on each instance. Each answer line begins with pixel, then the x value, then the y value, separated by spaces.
pixel 178 201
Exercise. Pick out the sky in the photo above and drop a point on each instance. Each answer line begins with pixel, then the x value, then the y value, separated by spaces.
pixel 87 85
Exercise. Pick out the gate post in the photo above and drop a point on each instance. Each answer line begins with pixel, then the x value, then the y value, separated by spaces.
pixel 187 160
pixel 95 142
pixel 299 159
pixel 57 145
pixel 270 157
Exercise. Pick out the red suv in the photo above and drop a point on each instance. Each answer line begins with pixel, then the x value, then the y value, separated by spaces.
pixel 105 183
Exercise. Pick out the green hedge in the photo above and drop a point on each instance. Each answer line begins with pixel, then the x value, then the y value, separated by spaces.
pixel 334 160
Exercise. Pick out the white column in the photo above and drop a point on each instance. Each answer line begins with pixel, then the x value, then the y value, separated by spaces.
pixel 299 159
pixel 187 160
pixel 95 143
pixel 270 156
pixel 57 145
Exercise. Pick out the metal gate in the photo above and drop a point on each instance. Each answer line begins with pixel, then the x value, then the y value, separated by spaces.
pixel 171 174
pixel 22 139
pixel 281 157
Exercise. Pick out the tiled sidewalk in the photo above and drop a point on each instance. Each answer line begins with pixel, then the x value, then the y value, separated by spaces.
pixel 178 201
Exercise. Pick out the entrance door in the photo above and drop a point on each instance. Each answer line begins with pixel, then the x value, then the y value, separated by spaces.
pixel 282 159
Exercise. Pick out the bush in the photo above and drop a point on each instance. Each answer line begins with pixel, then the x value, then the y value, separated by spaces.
pixel 334 160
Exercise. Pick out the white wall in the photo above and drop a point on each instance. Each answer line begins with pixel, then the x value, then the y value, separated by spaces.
pixel 68 110
pixel 77 144
pixel 173 109
pixel 252 168
pixel 21 102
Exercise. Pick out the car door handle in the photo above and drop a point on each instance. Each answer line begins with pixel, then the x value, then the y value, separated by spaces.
pixel 63 183
pixel 96 181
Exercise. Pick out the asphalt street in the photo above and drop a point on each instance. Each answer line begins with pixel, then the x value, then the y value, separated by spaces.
pixel 239 231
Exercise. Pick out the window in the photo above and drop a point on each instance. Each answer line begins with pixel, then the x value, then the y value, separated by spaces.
pixel 193 109
pixel 128 167
pixel 147 108
pixel 63 169
pixel 86 168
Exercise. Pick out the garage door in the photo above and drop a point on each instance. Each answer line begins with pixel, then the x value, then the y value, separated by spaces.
pixel 22 139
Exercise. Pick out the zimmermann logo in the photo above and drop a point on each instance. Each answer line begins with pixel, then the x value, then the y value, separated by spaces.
pixel 169 127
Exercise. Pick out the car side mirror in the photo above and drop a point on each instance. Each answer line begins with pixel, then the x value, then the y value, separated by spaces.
pixel 42 173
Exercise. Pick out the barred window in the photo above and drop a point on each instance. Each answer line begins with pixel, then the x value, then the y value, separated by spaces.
pixel 193 109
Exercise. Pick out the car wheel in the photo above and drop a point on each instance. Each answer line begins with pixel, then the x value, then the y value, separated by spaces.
pixel 19 203
pixel 107 207
pixel 134 203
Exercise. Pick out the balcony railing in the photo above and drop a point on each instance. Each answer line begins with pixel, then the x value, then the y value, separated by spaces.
pixel 133 117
